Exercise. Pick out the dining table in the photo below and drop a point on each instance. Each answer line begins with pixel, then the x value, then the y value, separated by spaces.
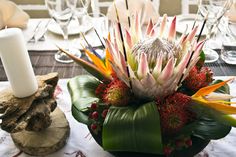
pixel 80 142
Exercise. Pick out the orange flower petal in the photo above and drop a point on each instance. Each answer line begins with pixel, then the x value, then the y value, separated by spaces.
pixel 97 61
pixel 221 107
pixel 207 90
pixel 108 59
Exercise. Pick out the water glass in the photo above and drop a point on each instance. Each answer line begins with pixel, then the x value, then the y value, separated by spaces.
pixel 62 14
pixel 228 53
pixel 100 23
pixel 214 10
pixel 79 8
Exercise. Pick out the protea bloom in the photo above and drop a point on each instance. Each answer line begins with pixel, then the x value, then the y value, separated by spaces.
pixel 156 61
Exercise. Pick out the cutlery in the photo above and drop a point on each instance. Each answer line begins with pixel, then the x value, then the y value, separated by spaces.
pixel 33 39
pixel 42 36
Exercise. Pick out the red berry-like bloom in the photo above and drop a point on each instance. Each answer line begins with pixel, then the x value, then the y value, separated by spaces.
pixel 167 150
pixel 94 106
pixel 188 142
pixel 94 127
pixel 104 113
pixel 95 115
pixel 117 93
pixel 198 78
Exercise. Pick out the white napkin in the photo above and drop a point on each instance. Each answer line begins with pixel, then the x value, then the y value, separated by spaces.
pixel 135 6
pixel 11 15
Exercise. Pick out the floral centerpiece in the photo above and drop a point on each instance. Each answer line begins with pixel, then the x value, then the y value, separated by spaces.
pixel 151 93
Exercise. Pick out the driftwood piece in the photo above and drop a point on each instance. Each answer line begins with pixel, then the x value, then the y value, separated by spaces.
pixel 47 141
pixel 31 113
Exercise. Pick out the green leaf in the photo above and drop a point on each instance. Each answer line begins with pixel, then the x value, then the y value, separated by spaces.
pixel 224 89
pixel 133 129
pixel 208 128
pixel 202 56
pixel 201 60
pixel 82 91
pixel 221 118
pixel 188 129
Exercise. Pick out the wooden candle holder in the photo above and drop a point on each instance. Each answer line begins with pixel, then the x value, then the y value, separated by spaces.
pixel 37 126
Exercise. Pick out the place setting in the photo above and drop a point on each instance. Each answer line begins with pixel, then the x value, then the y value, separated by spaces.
pixel 47 34
pixel 154 87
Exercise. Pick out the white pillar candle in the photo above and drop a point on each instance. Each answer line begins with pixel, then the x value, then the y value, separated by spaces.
pixel 16 62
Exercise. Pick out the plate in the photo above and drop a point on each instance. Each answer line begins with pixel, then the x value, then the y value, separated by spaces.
pixel 73 28
pixel 184 21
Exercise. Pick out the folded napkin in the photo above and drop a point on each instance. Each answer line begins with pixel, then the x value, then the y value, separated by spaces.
pixel 146 7
pixel 11 15
pixel 232 13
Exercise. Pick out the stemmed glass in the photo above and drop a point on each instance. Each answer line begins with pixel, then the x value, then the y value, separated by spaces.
pixel 62 14
pixel 79 8
pixel 214 10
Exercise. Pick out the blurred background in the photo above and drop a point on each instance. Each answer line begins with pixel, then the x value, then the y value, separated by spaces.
pixel 37 9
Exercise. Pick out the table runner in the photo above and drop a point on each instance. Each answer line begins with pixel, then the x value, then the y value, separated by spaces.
pixel 81 143
pixel 44 62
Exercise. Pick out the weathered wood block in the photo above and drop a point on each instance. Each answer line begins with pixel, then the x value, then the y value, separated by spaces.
pixel 35 127
pixel 46 141
pixel 23 113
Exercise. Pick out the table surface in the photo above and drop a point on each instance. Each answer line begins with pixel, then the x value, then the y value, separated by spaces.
pixel 80 142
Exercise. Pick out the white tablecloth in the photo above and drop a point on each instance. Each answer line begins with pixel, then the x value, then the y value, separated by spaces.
pixel 81 142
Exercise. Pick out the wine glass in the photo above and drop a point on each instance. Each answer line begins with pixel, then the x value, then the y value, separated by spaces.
pixel 62 14
pixel 79 8
pixel 214 11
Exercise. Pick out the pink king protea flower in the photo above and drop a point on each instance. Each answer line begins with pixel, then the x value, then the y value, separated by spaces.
pixel 156 60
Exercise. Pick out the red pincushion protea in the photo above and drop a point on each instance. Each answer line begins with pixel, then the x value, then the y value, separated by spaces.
pixel 173 112
pixel 100 89
pixel 178 99
pixel 173 118
pixel 117 93
pixel 198 78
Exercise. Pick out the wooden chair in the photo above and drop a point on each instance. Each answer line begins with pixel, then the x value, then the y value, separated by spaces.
pixel 186 4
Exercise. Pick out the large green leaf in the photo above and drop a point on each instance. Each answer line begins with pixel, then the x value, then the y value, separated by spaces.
pixel 82 91
pixel 133 129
